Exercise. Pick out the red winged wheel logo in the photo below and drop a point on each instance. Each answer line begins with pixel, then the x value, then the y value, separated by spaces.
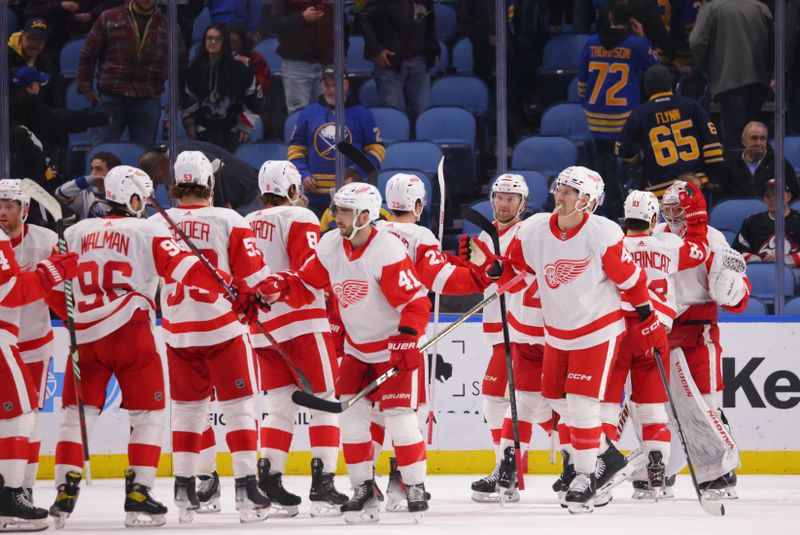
pixel 565 271
pixel 350 292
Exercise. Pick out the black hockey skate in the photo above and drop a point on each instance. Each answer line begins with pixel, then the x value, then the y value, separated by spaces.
pixel 580 494
pixel 567 475
pixel 284 503
pixel 186 499
pixel 722 488
pixel 608 464
pixel 66 496
pixel 325 499
pixel 252 504
pixel 643 491
pixel 417 501
pixel 507 477
pixel 142 510
pixel 17 513
pixel 363 507
pixel 484 490
pixel 208 493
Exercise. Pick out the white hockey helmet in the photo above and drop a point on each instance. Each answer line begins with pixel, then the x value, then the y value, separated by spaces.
pixel 359 197
pixel 277 176
pixel 192 167
pixel 671 209
pixel 11 190
pixel 641 205
pixel 586 182
pixel 125 181
pixel 510 183
pixel 403 191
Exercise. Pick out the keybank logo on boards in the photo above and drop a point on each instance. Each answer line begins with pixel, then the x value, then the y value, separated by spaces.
pixel 780 389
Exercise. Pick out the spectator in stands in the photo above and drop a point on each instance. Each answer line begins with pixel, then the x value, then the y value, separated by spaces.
pixel 128 47
pixel 49 125
pixel 731 44
pixel 222 95
pixel 756 239
pixel 67 20
pixel 747 172
pixel 85 195
pixel 242 47
pixel 312 147
pixel 670 135
pixel 609 71
pixel 26 49
pixel 305 45
pixel 400 37
pixel 245 13
pixel 646 20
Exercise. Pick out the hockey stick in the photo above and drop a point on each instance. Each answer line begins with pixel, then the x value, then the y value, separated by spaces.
pixel 486 226
pixel 436 301
pixel 712 508
pixel 304 399
pixel 352 153
pixel 305 384
pixel 49 203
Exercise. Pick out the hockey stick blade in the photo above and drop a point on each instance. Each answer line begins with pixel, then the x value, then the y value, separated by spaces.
pixel 45 199
pixel 310 401
pixel 352 153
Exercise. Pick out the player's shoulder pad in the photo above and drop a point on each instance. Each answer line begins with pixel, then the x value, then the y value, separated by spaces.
pixel 716 240
pixel 386 248
pixel 669 239
pixel 43 235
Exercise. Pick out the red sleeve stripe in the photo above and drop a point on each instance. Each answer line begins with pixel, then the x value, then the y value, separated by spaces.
pixel 631 281
pixel 288 318
pixel 441 278
pixel 199 326
pixel 183 267
pixel 596 325
pixel 30 345
pixel 530 330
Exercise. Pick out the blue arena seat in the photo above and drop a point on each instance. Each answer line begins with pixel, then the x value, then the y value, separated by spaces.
pixel 368 93
pixel 356 64
pixel 268 48
pixel 565 119
pixel 762 277
pixel 755 307
pixel 463 62
pixel 75 100
pixel 257 153
pixel 729 214
pixel 127 152
pixel 548 154
pixel 572 91
pixel 445 19
pixel 200 24
pixel 559 65
pixel 795 205
pixel 469 92
pixel 538 190
pixel 443 64
pixel 791 148
pixel 394 124
pixel 446 124
pixel 730 235
pixel 792 307
pixel 68 59
pixel 422 155
pixel 288 126
pixel 483 207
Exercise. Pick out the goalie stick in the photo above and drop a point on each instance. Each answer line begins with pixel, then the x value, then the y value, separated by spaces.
pixel 486 226
pixel 436 301
pixel 712 508
pixel 49 203
pixel 352 153
pixel 305 399
pixel 305 384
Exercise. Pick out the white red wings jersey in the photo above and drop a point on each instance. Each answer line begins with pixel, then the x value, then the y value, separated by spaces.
pixel 662 256
pixel 287 237
pixel 35 330
pixel 192 317
pixel 376 287
pixel 436 271
pixel 120 262
pixel 525 319
pixel 581 273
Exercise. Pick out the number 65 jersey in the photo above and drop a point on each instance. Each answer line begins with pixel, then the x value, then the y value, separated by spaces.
pixel 120 262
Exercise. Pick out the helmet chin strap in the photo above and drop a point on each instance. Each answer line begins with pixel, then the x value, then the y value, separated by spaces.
pixel 356 228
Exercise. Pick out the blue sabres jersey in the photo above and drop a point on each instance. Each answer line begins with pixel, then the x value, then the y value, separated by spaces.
pixel 608 82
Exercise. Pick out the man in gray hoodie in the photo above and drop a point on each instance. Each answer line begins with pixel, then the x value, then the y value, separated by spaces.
pixel 732 43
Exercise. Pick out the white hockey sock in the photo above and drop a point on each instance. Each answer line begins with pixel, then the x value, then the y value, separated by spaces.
pixel 409 446
pixel 324 435
pixel 34 444
pixel 494 410
pixel 656 435
pixel 357 441
pixel 585 431
pixel 188 423
pixel 144 444
pixel 241 434
pixel 69 448
pixel 377 430
pixel 207 459
pixel 277 428
pixel 14 435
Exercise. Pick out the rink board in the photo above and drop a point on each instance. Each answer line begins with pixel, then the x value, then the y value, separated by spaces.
pixel 761 369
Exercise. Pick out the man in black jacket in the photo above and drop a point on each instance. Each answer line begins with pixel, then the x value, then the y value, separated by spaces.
pixel 747 172
pixel 756 239
pixel 26 49
pixel 400 37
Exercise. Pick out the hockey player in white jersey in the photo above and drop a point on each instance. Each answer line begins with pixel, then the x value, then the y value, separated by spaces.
pixel 31 244
pixel 384 310
pixel 208 348
pixel 287 235
pixel 438 272
pixel 121 260
pixel 22 291
pixel 719 281
pixel 660 256
pixel 583 270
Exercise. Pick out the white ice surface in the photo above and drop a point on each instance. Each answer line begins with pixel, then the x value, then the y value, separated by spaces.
pixel 767 505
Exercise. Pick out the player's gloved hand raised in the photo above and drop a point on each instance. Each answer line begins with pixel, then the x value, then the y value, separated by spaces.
pixel 405 352
pixel 57 269
pixel 694 204
pixel 273 288
pixel 245 305
pixel 648 335
pixel 479 255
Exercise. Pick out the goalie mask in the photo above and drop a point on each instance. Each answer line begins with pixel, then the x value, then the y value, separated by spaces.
pixel 642 205
pixel 11 190
pixel 277 177
pixel 125 181
pixel 671 208
pixel 403 191
pixel 587 183
pixel 358 197
pixel 192 167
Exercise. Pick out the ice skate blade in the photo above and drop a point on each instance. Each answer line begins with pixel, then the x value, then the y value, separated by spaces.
pixel 649 495
pixel 185 515
pixel 576 508
pixel 602 501
pixel 396 506
pixel 137 519
pixel 418 517
pixel 720 494
pixel 211 506
pixel 485 497
pixel 250 515
pixel 283 511
pixel 507 496
pixel 325 510
pixel 370 515
pixel 59 520
pixel 12 523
